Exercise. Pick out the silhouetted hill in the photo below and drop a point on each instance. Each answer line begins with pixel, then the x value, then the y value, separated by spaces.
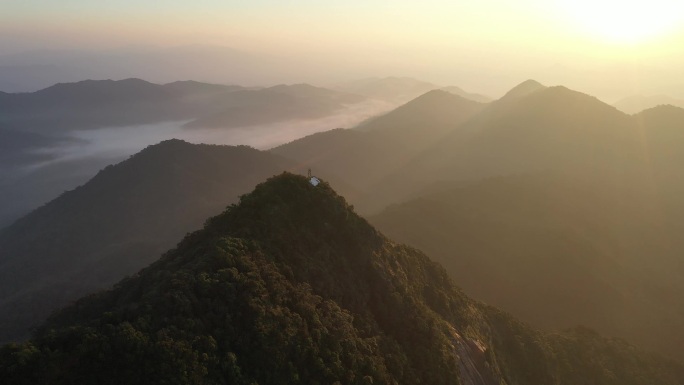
pixel 662 126
pixel 191 88
pixel 382 144
pixel 107 103
pixel 97 92
pixel 549 129
pixel 290 286
pixel 429 115
pixel 467 95
pixel 101 103
pixel 559 251
pixel 662 118
pixel 638 103
pixel 524 89
pixel 393 89
pixel 275 104
pixel 661 132
pixel 115 224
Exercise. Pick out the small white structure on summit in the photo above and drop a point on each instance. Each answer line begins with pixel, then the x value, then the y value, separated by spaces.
pixel 313 180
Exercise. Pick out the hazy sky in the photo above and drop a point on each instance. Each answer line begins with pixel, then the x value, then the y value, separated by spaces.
pixel 480 44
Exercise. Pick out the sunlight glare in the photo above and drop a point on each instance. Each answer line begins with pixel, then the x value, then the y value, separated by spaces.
pixel 626 21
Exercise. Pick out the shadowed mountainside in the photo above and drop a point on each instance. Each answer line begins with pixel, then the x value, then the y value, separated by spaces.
pixel 96 234
pixel 379 146
pixel 402 89
pixel 613 267
pixel 102 120
pixel 531 129
pixel 558 251
pixel 107 103
pixel 467 95
pixel 638 103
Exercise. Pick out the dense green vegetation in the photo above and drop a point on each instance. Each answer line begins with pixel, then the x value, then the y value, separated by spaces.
pixel 117 223
pixel 291 286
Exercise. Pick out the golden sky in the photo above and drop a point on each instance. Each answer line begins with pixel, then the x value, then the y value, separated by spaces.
pixel 507 39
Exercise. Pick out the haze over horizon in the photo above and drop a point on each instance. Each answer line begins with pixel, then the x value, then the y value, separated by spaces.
pixel 606 48
pixel 496 194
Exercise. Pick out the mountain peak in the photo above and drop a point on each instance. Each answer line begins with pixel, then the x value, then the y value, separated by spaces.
pixel 432 113
pixel 437 94
pixel 289 201
pixel 165 147
pixel 437 99
pixel 173 142
pixel 665 109
pixel 525 88
pixel 468 95
pixel 291 285
pixel 638 103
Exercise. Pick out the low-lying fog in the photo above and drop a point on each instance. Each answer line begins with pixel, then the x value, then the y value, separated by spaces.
pixel 120 142
pixel 72 162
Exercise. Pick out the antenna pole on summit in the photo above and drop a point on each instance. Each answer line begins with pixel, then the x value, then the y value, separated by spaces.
pixel 309 173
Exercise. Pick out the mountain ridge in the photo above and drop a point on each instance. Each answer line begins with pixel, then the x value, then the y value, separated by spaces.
pixel 639 103
pixel 98 233
pixel 524 89
pixel 91 104
pixel 383 143
pixel 550 128
pixel 291 285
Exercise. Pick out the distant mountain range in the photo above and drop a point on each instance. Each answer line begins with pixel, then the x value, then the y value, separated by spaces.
pixel 638 103
pixel 378 147
pixel 467 95
pixel 547 202
pixel 528 130
pixel 35 126
pixel 617 179
pixel 107 103
pixel 291 286
pixel 401 89
pixel 275 104
pixel 28 71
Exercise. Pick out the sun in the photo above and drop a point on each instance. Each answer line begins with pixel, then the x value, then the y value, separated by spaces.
pixel 625 21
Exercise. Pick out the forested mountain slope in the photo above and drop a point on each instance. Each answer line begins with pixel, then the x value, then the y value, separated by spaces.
pixel 117 223
pixel 291 286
